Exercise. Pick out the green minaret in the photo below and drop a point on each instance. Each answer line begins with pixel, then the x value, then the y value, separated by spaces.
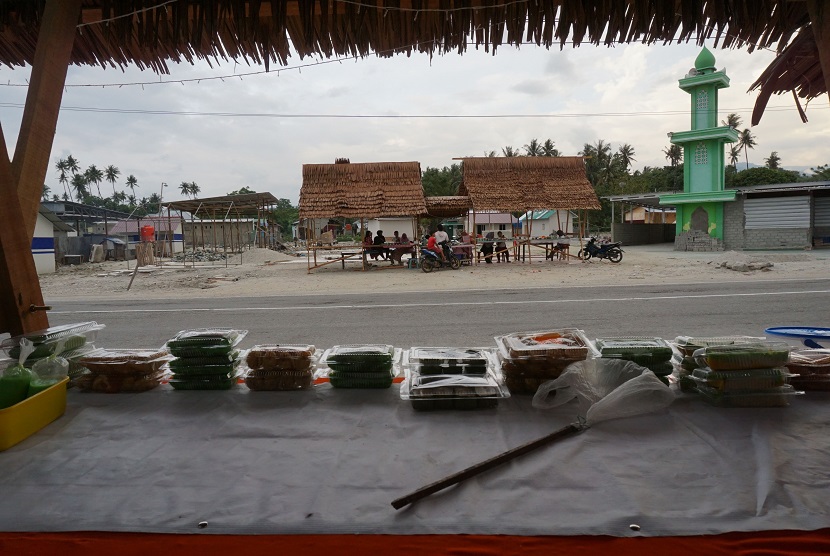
pixel 700 206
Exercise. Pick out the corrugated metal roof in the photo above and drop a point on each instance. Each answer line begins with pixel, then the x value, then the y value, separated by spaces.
pixel 132 226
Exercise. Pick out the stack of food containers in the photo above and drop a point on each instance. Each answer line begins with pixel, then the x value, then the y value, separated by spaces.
pixel 812 367
pixel 280 367
pixel 70 341
pixel 205 358
pixel 652 353
pixel 360 366
pixel 686 346
pixel 121 370
pixel 451 378
pixel 744 375
pixel 528 359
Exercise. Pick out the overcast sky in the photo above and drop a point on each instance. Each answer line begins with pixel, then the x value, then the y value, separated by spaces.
pixel 626 94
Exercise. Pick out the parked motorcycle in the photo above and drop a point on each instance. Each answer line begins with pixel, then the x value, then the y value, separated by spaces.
pixel 611 251
pixel 430 260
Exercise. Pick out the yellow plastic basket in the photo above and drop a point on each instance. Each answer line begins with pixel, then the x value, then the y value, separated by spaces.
pixel 24 419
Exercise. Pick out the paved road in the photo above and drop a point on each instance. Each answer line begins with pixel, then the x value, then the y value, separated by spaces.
pixel 465 318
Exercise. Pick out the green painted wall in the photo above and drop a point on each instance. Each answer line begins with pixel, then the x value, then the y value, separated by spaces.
pixel 714 210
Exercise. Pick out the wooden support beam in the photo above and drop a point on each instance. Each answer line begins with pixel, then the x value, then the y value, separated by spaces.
pixel 819 11
pixel 19 285
pixel 43 101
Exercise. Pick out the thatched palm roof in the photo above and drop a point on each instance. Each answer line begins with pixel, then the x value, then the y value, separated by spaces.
pixel 447 206
pixel 365 190
pixel 152 33
pixel 525 183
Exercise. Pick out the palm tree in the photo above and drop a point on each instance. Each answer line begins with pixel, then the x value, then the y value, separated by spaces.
pixel 194 189
pixel 747 141
pixel 490 154
pixel 548 149
pixel 131 200
pixel 62 166
pixel 184 187
pixel 626 153
pixel 674 153
pixel 533 148
pixel 94 175
pixel 734 154
pixel 132 183
pixel 45 193
pixel 509 151
pixel 774 161
pixel 79 184
pixel 72 164
pixel 111 174
pixel 732 120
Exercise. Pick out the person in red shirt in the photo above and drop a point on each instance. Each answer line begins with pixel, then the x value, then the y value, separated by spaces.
pixel 433 246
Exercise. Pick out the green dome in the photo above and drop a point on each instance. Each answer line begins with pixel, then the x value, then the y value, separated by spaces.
pixel 705 60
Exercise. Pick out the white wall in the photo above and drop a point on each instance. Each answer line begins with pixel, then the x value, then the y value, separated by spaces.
pixel 389 225
pixel 43 246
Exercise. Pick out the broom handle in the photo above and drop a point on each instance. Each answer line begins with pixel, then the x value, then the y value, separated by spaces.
pixel 483 466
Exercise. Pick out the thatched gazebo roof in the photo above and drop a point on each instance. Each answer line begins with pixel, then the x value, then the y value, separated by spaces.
pixel 447 206
pixel 362 190
pixel 152 33
pixel 523 183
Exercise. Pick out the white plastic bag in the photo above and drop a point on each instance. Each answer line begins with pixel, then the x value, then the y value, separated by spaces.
pixel 605 389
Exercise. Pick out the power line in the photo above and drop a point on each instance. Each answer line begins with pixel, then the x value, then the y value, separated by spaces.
pixel 395 116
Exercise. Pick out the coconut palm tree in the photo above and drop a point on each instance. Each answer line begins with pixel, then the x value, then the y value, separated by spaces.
pixel 111 174
pixel 194 189
pixel 490 154
pixel 132 183
pixel 533 148
pixel 734 154
pixel 509 151
pixel 774 161
pixel 674 154
pixel 131 200
pixel 62 167
pixel 79 184
pixel 626 153
pixel 44 194
pixel 746 141
pixel 72 164
pixel 732 120
pixel 94 175
pixel 184 187
pixel 548 149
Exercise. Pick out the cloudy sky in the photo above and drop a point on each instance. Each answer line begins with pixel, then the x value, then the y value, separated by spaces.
pixel 258 130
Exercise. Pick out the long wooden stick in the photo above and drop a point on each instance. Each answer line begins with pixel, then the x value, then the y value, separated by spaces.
pixel 483 466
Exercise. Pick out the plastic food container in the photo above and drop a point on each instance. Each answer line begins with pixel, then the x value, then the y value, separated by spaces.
pixel 205 342
pixel 118 382
pixel 47 341
pixel 259 379
pixel 809 362
pixel 816 382
pixel 687 345
pixel 449 361
pixel 643 351
pixel 739 357
pixel 130 362
pixel 278 357
pixel 22 420
pixel 360 358
pixel 771 397
pixel 531 358
pixel 205 382
pixel 431 392
pixel 180 370
pixel 741 381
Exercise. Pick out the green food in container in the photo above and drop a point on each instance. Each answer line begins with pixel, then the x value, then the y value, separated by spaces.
pixel 739 357
pixel 360 358
pixel 643 351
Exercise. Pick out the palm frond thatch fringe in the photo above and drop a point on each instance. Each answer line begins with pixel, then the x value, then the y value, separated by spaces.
pixel 525 183
pixel 362 190
pixel 447 206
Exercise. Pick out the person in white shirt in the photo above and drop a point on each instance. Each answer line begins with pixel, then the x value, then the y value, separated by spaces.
pixel 441 235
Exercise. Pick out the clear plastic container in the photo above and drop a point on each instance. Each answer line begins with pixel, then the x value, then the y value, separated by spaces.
pixel 643 351
pixel 815 382
pixel 230 358
pixel 130 362
pixel 771 397
pixel 528 359
pixel 809 362
pixel 739 357
pixel 205 382
pixel 118 382
pixel 205 370
pixel 741 381
pixel 205 342
pixel 49 340
pixel 360 358
pixel 267 379
pixel 450 360
pixel 279 357
pixel 431 392
pixel 687 345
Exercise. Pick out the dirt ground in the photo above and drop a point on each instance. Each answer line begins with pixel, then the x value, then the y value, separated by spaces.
pixel 262 272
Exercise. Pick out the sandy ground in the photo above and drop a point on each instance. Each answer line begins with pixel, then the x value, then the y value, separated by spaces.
pixel 262 272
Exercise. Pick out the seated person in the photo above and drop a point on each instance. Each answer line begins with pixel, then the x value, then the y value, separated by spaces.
pixel 433 246
pixel 501 249
pixel 563 244
pixel 379 252
pixel 467 245
pixel 405 247
pixel 487 248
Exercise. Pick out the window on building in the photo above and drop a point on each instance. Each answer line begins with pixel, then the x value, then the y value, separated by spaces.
pixel 702 100
pixel 701 154
pixel 502 227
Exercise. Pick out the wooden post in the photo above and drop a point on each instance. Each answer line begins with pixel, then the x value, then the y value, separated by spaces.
pixel 820 19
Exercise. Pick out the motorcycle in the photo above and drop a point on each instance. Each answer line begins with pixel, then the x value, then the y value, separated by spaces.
pixel 611 251
pixel 431 260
